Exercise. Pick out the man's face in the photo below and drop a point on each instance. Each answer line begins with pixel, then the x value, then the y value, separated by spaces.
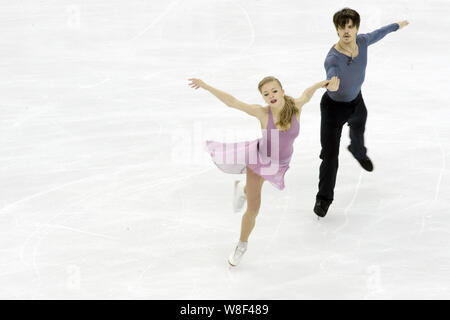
pixel 348 33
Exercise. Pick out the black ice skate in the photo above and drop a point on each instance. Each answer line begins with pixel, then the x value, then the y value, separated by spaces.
pixel 321 207
pixel 365 162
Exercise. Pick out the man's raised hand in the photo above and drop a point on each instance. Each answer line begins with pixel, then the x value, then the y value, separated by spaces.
pixel 402 24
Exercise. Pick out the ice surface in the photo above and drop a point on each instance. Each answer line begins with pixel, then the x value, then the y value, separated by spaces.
pixel 107 192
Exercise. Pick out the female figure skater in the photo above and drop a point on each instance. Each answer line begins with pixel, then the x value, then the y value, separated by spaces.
pixel 266 158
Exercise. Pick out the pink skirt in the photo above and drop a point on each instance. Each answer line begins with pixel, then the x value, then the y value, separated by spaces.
pixel 235 157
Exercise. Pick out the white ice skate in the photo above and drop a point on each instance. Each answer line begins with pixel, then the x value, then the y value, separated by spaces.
pixel 239 196
pixel 238 252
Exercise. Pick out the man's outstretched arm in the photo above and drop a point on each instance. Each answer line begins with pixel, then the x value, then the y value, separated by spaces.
pixel 379 34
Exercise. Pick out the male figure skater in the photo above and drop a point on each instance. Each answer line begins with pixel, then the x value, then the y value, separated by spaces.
pixel 347 61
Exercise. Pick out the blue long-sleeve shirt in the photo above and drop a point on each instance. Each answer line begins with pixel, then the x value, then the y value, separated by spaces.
pixel 352 76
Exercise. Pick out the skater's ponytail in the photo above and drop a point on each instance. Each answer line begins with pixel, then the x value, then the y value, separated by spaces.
pixel 289 109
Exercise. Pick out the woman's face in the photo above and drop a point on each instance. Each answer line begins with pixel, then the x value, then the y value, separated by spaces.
pixel 272 94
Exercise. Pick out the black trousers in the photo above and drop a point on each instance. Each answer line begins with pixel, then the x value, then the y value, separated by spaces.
pixel 334 115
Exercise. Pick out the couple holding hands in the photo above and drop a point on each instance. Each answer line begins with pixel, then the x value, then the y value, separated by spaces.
pixel 268 157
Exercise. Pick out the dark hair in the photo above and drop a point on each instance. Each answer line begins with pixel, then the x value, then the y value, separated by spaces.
pixel 342 17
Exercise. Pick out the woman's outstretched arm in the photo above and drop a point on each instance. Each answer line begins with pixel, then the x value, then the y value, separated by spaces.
pixel 252 109
pixel 332 85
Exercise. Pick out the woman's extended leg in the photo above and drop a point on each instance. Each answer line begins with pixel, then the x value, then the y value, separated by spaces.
pixel 253 190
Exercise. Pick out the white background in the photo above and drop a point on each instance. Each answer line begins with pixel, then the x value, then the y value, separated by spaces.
pixel 106 191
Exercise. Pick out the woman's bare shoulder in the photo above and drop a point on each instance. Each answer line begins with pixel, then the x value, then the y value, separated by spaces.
pixel 264 110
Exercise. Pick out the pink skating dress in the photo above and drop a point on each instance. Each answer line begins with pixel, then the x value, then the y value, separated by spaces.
pixel 268 156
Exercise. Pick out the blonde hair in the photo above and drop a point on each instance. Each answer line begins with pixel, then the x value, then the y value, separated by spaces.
pixel 289 109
